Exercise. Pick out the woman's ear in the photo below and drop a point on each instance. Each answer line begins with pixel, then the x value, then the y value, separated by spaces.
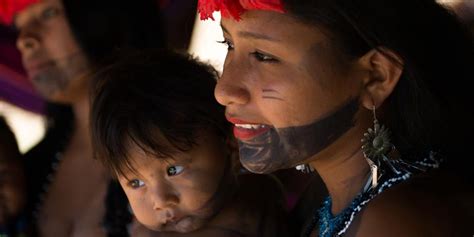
pixel 385 69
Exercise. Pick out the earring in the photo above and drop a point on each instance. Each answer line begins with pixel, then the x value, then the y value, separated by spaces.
pixel 305 168
pixel 376 145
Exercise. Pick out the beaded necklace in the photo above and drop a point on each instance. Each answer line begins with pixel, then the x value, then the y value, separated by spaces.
pixel 336 225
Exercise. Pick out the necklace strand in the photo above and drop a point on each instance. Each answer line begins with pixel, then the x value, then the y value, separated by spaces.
pixel 336 225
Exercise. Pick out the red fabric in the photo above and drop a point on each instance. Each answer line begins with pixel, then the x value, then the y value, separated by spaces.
pixel 269 5
pixel 8 9
pixel 15 88
pixel 234 8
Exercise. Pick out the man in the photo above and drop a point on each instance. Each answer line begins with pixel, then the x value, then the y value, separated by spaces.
pixel 62 43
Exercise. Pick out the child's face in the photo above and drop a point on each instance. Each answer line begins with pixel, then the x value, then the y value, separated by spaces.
pixel 12 190
pixel 176 194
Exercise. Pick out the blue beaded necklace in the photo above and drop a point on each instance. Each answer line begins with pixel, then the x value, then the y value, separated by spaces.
pixel 336 225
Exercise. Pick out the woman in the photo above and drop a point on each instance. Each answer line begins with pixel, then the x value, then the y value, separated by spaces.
pixel 359 91
pixel 62 43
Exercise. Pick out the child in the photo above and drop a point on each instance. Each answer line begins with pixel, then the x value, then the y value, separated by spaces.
pixel 157 127
pixel 12 185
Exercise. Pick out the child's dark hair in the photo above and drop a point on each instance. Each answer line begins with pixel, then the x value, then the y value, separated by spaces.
pixel 8 146
pixel 157 100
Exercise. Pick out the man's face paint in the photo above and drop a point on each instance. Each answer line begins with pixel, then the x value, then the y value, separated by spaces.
pixel 52 57
pixel 58 76
pixel 281 148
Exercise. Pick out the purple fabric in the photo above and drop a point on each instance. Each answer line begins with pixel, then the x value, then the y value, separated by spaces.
pixel 21 98
pixel 15 88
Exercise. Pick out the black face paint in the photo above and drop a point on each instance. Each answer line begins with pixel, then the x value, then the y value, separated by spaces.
pixel 287 147
pixel 59 75
pixel 271 94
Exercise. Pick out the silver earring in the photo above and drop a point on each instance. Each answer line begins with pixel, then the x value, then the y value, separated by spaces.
pixel 305 168
pixel 376 145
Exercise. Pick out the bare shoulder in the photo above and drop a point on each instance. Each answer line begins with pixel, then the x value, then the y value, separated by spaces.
pixel 432 204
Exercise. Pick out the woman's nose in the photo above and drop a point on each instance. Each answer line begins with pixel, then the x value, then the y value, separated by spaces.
pixel 230 88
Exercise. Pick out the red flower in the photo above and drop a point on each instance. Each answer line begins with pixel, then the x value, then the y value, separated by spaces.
pixel 234 8
pixel 8 9
pixel 231 8
pixel 207 7
pixel 269 5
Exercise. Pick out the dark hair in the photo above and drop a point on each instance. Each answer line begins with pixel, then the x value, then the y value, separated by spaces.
pixel 8 146
pixel 104 26
pixel 157 100
pixel 431 101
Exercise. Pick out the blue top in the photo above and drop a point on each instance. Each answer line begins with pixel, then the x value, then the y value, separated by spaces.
pixel 395 172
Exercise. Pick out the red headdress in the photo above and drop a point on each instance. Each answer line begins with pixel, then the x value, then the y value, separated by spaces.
pixel 8 8
pixel 234 8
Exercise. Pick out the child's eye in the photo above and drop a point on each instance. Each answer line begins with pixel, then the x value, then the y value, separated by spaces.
pixel 174 170
pixel 264 57
pixel 230 45
pixel 136 183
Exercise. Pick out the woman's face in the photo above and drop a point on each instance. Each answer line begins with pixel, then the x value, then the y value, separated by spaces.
pixel 181 193
pixel 287 89
pixel 55 63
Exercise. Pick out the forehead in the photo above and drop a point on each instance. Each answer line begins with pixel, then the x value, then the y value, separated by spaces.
pixel 34 10
pixel 272 25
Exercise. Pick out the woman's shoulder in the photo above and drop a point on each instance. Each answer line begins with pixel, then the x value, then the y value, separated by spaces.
pixel 429 204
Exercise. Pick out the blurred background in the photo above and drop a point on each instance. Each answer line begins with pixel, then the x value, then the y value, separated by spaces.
pixel 24 109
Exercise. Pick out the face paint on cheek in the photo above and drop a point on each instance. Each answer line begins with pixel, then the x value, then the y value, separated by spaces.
pixel 287 147
pixel 58 76
pixel 271 94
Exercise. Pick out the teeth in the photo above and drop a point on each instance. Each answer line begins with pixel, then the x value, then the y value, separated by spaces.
pixel 250 126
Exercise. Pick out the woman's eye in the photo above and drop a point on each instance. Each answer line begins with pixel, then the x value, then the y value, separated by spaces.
pixel 230 45
pixel 136 183
pixel 49 13
pixel 263 57
pixel 174 170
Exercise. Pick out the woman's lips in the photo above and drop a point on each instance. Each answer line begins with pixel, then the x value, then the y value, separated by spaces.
pixel 245 130
pixel 243 133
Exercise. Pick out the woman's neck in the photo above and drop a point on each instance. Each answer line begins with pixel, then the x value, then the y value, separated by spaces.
pixel 81 121
pixel 345 173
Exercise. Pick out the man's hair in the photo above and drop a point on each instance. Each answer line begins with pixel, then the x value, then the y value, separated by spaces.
pixel 159 101
pixel 8 146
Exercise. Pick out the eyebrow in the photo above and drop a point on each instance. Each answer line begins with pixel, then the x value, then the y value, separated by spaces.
pixel 253 35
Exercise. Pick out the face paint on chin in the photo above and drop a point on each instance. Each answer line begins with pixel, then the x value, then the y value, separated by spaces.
pixel 58 76
pixel 283 148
